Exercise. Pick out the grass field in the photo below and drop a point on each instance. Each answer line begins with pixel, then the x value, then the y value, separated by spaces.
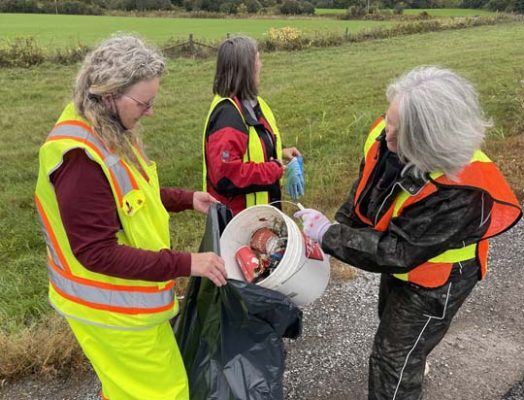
pixel 436 12
pixel 59 30
pixel 323 99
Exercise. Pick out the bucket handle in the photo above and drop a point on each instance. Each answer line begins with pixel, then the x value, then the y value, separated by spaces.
pixel 298 205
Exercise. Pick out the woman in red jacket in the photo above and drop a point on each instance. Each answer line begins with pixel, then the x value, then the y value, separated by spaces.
pixel 242 145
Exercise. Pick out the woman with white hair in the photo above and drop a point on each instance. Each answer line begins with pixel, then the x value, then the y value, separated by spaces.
pixel 420 213
pixel 106 225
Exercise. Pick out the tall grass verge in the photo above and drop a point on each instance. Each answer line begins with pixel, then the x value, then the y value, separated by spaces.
pixel 294 39
pixel 44 349
pixel 26 52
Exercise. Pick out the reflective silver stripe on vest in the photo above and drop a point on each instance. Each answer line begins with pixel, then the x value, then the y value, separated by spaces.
pixel 112 298
pixel 111 160
pixel 49 243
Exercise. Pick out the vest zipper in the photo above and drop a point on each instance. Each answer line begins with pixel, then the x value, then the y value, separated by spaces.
pixel 384 202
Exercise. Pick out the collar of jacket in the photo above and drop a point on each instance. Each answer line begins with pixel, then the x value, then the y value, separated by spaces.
pixel 248 112
pixel 409 181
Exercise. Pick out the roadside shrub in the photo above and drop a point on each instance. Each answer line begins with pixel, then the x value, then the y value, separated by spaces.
pixel 70 55
pixel 21 52
pixel 286 38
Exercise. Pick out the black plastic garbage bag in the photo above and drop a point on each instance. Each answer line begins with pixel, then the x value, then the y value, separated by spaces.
pixel 231 337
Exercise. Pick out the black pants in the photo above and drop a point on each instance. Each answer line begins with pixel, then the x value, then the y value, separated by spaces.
pixel 413 320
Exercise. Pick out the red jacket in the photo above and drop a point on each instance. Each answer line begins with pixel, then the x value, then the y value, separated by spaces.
pixel 228 177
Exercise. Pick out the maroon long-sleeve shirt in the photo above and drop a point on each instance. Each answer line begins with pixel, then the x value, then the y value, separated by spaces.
pixel 89 214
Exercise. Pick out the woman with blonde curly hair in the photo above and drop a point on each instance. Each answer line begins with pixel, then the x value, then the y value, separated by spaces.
pixel 106 225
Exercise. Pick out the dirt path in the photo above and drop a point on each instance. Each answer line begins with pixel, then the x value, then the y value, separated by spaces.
pixel 480 358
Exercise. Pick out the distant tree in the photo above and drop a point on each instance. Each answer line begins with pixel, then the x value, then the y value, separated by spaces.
pixel 19 6
pixel 189 5
pixel 518 6
pixel 252 6
pixel 307 8
pixel 421 4
pixel 473 3
pixel 499 5
pixel 291 7
pixel 228 8
pixel 399 7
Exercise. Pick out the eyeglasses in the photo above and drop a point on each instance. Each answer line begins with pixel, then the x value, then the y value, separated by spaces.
pixel 146 106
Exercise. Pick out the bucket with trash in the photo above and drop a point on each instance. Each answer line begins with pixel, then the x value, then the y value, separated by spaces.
pixel 264 246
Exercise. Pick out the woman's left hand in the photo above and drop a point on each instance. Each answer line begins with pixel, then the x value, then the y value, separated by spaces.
pixel 202 201
pixel 315 223
pixel 289 152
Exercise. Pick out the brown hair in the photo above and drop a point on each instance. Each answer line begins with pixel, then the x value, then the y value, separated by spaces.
pixel 235 72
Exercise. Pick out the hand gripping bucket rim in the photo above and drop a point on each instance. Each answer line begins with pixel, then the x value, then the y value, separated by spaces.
pixel 302 278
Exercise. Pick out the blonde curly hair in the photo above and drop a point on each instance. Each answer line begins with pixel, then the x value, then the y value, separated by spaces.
pixel 115 65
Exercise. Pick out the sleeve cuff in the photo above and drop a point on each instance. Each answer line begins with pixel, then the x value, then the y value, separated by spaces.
pixel 184 264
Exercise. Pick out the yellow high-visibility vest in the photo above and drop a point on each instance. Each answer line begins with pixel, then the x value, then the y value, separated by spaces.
pixel 74 290
pixel 254 151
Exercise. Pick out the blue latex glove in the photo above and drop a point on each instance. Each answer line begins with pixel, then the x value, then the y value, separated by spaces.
pixel 315 223
pixel 295 177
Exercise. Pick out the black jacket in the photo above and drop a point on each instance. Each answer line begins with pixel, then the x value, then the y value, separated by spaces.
pixel 444 220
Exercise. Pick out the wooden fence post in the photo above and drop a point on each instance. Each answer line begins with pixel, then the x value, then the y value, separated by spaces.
pixel 191 45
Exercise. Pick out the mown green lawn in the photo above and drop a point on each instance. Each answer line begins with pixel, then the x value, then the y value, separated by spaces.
pixel 60 30
pixel 323 99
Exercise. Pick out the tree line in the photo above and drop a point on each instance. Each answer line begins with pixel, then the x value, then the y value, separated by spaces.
pixel 293 7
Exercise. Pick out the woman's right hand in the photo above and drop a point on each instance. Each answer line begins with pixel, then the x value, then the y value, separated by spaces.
pixel 210 266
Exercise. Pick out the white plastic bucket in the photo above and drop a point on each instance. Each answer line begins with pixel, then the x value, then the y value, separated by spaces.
pixel 298 276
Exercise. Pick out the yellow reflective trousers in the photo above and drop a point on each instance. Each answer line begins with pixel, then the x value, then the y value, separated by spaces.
pixel 134 364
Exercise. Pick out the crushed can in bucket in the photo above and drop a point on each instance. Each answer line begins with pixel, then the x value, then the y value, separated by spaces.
pixel 248 262
pixel 264 240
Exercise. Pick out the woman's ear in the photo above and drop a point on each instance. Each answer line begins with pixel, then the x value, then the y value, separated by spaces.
pixel 109 102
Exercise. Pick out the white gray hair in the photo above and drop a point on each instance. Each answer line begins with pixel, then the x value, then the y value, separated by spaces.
pixel 441 123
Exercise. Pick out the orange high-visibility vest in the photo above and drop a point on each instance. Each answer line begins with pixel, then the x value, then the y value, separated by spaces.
pixel 481 174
